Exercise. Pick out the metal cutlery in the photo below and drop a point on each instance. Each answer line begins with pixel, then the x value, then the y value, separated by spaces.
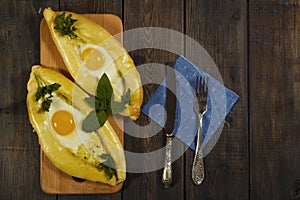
pixel 200 107
pixel 169 127
pixel 167 171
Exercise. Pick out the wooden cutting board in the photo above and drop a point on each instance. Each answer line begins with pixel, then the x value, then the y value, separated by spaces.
pixel 53 180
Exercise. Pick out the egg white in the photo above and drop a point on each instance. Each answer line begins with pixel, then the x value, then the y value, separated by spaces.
pixel 77 137
pixel 109 67
pixel 109 62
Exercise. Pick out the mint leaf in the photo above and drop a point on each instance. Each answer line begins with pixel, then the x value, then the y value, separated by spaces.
pixel 126 98
pixel 102 117
pixel 94 120
pixel 104 88
pixel 90 101
pixel 104 105
pixel 90 123
pixel 117 107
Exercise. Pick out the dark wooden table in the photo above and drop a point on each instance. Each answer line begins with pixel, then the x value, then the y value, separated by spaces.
pixel 255 45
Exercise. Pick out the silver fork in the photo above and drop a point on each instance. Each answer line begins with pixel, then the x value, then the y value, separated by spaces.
pixel 200 107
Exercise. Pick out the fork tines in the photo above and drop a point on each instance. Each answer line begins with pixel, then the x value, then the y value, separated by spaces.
pixel 203 88
pixel 201 92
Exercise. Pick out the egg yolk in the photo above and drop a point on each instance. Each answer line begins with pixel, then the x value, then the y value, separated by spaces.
pixel 63 122
pixel 93 58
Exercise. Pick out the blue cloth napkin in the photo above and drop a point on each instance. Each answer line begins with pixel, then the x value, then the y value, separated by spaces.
pixel 220 102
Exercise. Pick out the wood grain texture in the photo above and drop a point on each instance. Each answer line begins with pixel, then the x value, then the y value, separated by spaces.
pixel 274 93
pixel 19 50
pixel 266 117
pixel 221 28
pixel 93 6
pixel 137 14
pixel 20 175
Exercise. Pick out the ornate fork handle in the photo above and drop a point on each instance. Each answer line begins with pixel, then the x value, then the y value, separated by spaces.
pixel 198 164
pixel 167 172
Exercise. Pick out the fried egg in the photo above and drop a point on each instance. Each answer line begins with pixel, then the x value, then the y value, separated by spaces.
pixel 63 119
pixel 66 122
pixel 96 61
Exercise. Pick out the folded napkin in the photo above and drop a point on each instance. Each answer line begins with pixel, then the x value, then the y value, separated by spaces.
pixel 220 102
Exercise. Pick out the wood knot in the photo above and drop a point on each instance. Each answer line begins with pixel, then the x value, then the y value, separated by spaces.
pixel 236 15
pixel 295 190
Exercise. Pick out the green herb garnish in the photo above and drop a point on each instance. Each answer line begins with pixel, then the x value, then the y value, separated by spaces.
pixel 108 166
pixel 119 106
pixel 64 25
pixel 104 105
pixel 44 92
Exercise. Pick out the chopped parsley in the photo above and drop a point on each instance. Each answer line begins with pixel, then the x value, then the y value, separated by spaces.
pixel 108 166
pixel 44 93
pixel 65 25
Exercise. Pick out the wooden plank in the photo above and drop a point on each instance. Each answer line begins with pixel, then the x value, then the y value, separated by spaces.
pixel 52 179
pixel 19 169
pixel 274 96
pixel 93 6
pixel 221 28
pixel 19 50
pixel 138 14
